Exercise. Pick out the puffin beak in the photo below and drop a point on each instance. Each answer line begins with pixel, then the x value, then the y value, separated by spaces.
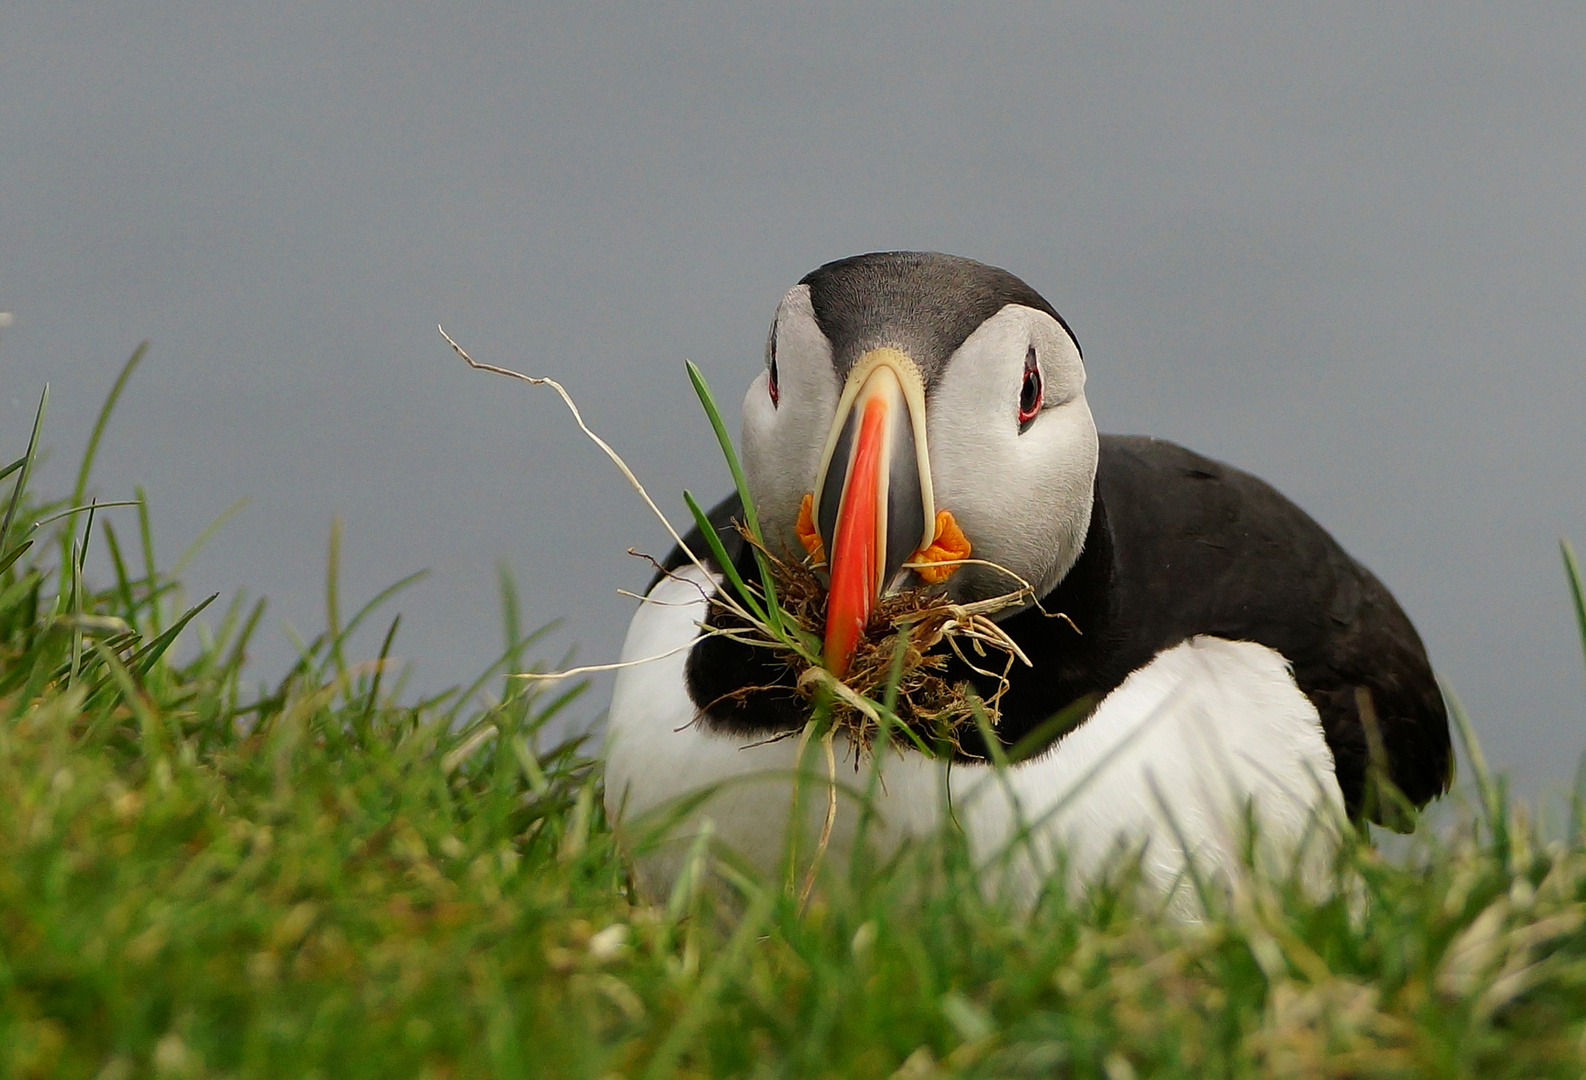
pixel 873 500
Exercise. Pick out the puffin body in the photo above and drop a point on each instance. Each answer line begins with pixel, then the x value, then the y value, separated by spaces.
pixel 1222 668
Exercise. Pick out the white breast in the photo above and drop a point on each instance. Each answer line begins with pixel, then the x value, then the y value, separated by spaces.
pixel 1169 761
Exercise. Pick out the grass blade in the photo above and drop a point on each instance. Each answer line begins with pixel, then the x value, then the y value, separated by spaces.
pixel 151 575
pixel 510 605
pixel 119 565
pixel 1578 594
pixel 79 591
pixel 1576 590
pixel 711 985
pixel 92 450
pixel 41 522
pixel 207 535
pixel 512 649
pixel 27 467
pixel 147 656
pixel 751 518
pixel 239 648
pixel 1486 786
pixel 379 598
pixel 13 555
pixel 720 552
pixel 379 670
pixel 74 603
pixel 333 601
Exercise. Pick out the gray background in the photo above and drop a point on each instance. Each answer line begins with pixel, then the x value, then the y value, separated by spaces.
pixel 1339 247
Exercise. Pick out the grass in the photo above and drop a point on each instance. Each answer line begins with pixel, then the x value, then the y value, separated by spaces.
pixel 321 878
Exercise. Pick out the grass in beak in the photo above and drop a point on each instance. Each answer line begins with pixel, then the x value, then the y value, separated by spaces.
pixel 900 669
pixel 898 679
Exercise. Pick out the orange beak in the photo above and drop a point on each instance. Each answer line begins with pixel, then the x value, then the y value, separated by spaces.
pixel 873 500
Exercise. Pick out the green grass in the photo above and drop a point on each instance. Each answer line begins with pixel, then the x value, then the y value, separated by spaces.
pixel 323 877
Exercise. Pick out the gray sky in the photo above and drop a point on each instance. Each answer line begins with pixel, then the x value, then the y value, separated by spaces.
pixel 1340 247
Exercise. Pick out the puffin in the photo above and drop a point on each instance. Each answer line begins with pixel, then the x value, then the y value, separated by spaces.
pixel 1209 685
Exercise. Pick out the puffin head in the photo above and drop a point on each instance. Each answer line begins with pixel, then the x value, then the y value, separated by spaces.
pixel 899 385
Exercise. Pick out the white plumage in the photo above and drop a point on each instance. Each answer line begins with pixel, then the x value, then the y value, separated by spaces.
pixel 1171 758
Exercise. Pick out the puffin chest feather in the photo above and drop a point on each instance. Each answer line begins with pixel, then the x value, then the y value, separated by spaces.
pixel 1166 764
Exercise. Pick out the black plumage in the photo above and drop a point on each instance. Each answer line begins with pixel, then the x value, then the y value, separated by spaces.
pixel 1178 545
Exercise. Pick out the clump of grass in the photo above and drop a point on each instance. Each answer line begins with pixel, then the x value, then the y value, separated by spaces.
pixel 316 877
pixel 201 878
pixel 898 679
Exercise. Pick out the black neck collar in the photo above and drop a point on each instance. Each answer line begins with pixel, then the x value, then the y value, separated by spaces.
pixel 1069 638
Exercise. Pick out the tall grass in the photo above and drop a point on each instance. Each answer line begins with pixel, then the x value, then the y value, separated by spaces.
pixel 321 878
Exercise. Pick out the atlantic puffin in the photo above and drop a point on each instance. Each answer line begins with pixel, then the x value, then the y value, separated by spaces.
pixel 1230 670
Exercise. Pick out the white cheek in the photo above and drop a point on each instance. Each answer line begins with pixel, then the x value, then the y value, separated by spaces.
pixel 1061 483
pixel 782 443
pixel 758 413
pixel 1022 499
pixel 760 443
pixel 976 456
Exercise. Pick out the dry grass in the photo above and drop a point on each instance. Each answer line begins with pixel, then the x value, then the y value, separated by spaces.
pixel 899 679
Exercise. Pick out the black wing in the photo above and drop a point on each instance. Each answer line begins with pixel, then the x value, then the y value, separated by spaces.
pixel 1179 545
pixel 1203 548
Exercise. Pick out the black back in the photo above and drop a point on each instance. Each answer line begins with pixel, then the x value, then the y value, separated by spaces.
pixel 1179 545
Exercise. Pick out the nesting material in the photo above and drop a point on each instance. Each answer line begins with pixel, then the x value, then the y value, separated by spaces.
pixel 911 637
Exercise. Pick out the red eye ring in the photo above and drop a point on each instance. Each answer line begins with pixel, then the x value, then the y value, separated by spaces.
pixel 1030 391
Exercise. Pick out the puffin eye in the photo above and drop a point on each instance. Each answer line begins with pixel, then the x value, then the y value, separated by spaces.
pixel 776 394
pixel 1030 391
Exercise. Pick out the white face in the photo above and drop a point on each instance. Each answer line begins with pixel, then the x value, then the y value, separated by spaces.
pixel 783 441
pixel 1021 491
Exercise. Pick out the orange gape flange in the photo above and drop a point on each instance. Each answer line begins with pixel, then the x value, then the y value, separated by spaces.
pixel 809 535
pixel 949 546
pixel 934 563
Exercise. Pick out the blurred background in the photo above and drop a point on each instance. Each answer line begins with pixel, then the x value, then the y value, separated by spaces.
pixel 1340 247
